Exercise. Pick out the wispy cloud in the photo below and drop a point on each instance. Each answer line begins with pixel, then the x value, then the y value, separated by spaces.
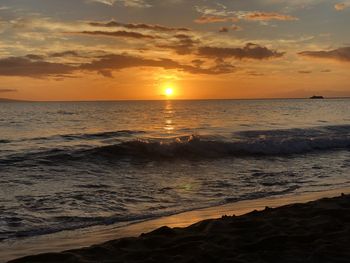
pixel 127 3
pixel 208 19
pixel 125 34
pixel 222 14
pixel 144 26
pixel 7 90
pixel 340 54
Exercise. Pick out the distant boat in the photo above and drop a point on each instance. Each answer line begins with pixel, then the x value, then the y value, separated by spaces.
pixel 317 98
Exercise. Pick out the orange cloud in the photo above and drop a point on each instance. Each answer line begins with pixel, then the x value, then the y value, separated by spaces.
pixel 214 19
pixel 341 6
pixel 263 16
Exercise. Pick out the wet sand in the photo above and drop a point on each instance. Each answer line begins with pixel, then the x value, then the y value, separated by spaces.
pixel 318 231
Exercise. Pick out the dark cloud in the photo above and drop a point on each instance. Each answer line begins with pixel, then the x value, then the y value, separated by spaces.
pixel 106 64
pixel 24 66
pixel 102 64
pixel 126 34
pixel 255 74
pixel 69 53
pixel 304 71
pixel 224 30
pixel 249 51
pixel 34 57
pixel 139 26
pixel 7 90
pixel 183 44
pixel 340 54
pixel 198 62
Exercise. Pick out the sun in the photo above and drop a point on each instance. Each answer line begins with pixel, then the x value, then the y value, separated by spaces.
pixel 169 91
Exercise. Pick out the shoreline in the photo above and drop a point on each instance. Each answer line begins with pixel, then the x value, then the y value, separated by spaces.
pixel 68 240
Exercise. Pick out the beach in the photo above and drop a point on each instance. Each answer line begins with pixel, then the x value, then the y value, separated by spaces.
pixel 316 231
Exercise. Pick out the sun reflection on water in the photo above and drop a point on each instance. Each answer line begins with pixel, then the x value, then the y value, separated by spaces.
pixel 169 113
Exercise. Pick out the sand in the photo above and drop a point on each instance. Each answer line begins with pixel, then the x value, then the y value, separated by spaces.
pixel 317 231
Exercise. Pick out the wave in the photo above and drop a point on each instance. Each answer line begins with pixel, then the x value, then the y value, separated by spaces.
pixel 79 136
pixel 241 144
pixel 102 135
pixel 247 143
pixel 89 136
pixel 71 223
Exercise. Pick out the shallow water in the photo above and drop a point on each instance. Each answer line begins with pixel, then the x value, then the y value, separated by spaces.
pixel 73 165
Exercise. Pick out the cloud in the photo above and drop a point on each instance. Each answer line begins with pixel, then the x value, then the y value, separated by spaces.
pixel 108 63
pixel 24 66
pixel 183 44
pixel 69 53
pixel 36 66
pixel 7 90
pixel 342 6
pixel 138 26
pixel 214 15
pixel 266 16
pixel 34 57
pixel 236 28
pixel 125 34
pixel 127 3
pixel 340 54
pixel 224 30
pixel 249 51
pixel 214 19
pixel 305 71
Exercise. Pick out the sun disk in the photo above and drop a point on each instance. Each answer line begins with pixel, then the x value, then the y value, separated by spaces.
pixel 169 91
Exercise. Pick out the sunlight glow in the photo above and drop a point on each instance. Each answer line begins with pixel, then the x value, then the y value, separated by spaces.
pixel 169 91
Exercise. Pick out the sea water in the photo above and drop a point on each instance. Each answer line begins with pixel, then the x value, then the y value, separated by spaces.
pixel 72 165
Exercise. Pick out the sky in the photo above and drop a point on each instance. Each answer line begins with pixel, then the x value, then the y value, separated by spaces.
pixel 200 49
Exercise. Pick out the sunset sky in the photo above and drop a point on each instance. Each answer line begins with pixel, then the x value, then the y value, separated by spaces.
pixel 136 49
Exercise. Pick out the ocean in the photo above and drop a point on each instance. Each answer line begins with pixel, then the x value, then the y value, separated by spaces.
pixel 73 165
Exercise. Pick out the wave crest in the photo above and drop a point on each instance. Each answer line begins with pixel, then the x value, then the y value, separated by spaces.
pixel 241 144
pixel 278 142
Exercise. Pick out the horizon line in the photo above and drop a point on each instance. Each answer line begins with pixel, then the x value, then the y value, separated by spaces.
pixel 199 99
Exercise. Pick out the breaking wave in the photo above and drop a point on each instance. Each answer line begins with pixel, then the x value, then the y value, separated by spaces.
pixel 264 142
pixel 240 144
